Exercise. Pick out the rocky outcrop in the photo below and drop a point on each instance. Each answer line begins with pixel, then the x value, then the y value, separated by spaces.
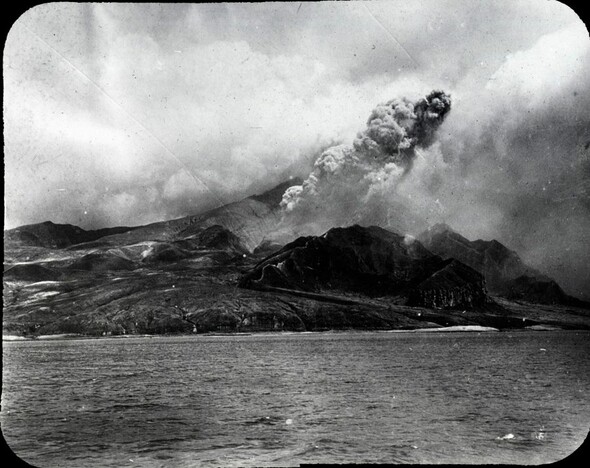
pixel 453 286
pixel 370 261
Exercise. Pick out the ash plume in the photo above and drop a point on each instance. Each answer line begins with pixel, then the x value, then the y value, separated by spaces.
pixel 338 189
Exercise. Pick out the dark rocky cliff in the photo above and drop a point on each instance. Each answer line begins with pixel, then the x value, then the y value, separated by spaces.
pixel 370 261
pixel 453 286
pixel 504 271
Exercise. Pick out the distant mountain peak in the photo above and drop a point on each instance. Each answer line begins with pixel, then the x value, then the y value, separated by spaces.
pixel 505 272
pixel 358 229
pixel 440 228
pixel 274 196
pixel 436 233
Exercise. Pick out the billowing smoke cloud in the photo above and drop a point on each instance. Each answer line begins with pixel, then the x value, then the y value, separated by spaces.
pixel 339 187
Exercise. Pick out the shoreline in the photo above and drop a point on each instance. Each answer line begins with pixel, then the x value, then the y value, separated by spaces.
pixel 452 329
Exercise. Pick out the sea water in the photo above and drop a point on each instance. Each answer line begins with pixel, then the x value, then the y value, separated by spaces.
pixel 285 399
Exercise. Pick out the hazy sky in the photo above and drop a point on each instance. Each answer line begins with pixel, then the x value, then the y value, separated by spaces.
pixel 124 114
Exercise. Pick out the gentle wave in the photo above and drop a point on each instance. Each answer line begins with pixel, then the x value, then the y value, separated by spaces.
pixel 303 398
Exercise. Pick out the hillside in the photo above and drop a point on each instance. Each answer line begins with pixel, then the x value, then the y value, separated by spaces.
pixel 251 218
pixel 504 271
pixel 370 261
pixel 183 276
pixel 57 236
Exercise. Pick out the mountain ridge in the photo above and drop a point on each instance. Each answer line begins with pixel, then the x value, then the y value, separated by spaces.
pixel 242 216
pixel 505 272
pixel 370 261
pixel 182 276
pixel 53 235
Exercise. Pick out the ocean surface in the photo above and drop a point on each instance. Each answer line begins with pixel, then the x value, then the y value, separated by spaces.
pixel 285 399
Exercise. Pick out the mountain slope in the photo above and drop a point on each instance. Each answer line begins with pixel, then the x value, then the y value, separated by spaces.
pixel 180 276
pixel 211 240
pixel 57 236
pixel 454 285
pixel 251 219
pixel 496 262
pixel 504 271
pixel 370 261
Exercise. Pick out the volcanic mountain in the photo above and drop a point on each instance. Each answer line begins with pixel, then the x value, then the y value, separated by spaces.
pixel 251 219
pixel 504 271
pixel 370 261
pixel 182 276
